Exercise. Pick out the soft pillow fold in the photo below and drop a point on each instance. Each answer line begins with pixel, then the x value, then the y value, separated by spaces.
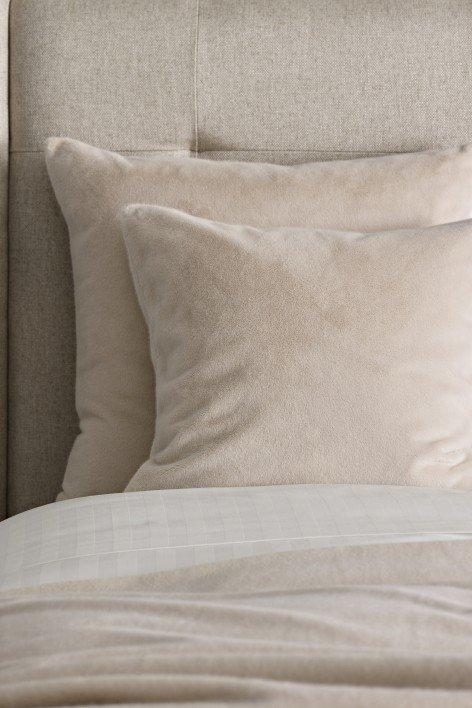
pixel 115 382
pixel 305 356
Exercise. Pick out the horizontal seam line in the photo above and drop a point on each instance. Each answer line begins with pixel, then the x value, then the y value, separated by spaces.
pixel 228 543
pixel 304 149
pixel 183 149
pixel 112 149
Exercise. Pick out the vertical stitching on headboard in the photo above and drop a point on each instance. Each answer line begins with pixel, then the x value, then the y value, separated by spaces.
pixel 195 79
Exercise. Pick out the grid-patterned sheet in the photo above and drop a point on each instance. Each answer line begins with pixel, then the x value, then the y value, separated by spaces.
pixel 142 532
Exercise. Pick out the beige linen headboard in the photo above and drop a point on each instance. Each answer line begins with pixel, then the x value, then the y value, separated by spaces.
pixel 277 80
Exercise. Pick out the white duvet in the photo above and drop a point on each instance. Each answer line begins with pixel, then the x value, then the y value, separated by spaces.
pixel 142 532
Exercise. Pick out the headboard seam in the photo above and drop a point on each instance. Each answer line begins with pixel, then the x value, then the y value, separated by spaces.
pixel 195 76
pixel 187 151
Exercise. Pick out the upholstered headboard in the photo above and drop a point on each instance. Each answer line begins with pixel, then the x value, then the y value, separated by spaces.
pixel 276 80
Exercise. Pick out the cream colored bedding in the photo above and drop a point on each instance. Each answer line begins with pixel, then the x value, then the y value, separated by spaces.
pixel 117 535
pixel 299 355
pixel 379 625
pixel 115 379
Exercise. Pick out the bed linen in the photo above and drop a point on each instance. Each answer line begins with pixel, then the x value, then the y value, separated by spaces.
pixel 300 355
pixel 143 532
pixel 377 625
pixel 114 377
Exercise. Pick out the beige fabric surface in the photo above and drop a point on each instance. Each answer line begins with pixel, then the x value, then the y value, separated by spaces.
pixel 326 76
pixel 367 626
pixel 115 380
pixel 90 69
pixel 292 356
pixel 366 75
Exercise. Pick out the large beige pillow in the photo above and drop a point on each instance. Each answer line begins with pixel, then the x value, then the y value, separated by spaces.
pixel 115 381
pixel 304 356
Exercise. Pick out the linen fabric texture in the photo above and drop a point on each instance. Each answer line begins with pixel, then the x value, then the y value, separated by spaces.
pixel 115 380
pixel 292 355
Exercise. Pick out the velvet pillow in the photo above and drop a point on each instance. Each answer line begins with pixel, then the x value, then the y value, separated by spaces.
pixel 305 356
pixel 115 381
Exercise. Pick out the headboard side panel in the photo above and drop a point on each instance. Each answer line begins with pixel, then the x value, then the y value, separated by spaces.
pixel 4 8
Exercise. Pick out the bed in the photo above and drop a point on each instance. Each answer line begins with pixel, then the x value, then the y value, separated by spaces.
pixel 280 595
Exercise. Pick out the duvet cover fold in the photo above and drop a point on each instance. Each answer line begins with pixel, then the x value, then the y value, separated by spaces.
pixel 376 625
